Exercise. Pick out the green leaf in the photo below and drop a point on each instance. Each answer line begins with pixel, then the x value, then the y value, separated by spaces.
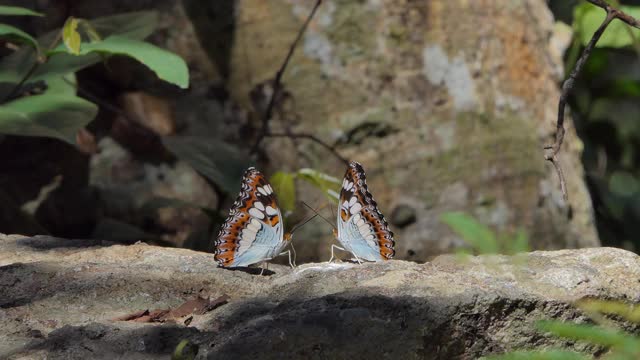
pixel 285 188
pixel 628 311
pixel 57 116
pixel 63 64
pixel 167 65
pixel 329 185
pixel 8 31
pixel 219 162
pixel 134 25
pixel 91 32
pixel 17 11
pixel 185 351
pixel 520 242
pixel 539 355
pixel 593 334
pixel 623 183
pixel 71 36
pixel 16 65
pixel 588 17
pixel 62 85
pixel 479 236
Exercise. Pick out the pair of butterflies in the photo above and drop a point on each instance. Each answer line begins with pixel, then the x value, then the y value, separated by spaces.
pixel 254 230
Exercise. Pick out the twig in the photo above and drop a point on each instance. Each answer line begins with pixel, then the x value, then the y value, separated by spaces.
pixel 16 89
pixel 39 60
pixel 277 83
pixel 567 86
pixel 312 138
pixel 617 14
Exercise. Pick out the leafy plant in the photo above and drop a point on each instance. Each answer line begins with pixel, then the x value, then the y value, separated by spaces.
pixel 605 108
pixel 621 345
pixel 481 238
pixel 48 65
pixel 587 18
pixel 284 184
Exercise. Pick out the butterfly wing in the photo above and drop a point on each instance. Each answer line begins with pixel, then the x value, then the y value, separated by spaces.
pixel 254 230
pixel 362 228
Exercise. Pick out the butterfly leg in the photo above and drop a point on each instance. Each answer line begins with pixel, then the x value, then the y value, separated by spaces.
pixel 357 259
pixel 264 265
pixel 336 247
pixel 291 263
pixel 295 255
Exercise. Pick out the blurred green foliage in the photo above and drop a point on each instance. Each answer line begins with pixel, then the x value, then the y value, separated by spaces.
pixel 620 344
pixel 606 110
pixel 284 184
pixel 185 351
pixel 587 18
pixel 37 81
pixel 481 239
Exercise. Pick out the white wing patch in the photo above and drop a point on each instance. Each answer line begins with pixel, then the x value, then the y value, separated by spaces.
pixel 265 190
pixel 364 229
pixel 355 208
pixel 352 206
pixel 248 235
pixel 255 212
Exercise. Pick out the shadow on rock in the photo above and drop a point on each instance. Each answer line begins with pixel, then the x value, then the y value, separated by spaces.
pixel 348 326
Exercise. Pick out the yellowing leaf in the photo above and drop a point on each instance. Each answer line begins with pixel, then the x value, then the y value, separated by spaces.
pixel 285 188
pixel 71 36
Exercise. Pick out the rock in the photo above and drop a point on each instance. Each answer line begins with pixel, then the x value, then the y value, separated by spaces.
pixel 149 111
pixel 128 188
pixel 403 215
pixel 58 298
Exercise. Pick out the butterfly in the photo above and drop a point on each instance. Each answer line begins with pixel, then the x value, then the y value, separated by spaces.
pixel 254 230
pixel 361 227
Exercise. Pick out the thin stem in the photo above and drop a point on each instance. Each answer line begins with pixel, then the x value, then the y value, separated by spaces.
pixel 312 138
pixel 277 83
pixel 569 83
pixel 33 69
pixel 14 91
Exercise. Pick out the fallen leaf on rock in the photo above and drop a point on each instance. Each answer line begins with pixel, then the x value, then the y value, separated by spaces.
pixel 154 316
pixel 197 306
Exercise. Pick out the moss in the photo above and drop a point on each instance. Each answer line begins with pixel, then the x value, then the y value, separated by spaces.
pixel 353 30
pixel 507 143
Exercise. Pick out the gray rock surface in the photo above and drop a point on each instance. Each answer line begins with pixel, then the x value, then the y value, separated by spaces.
pixel 58 299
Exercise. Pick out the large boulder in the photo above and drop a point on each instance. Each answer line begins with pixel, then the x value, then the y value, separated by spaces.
pixel 61 298
pixel 444 115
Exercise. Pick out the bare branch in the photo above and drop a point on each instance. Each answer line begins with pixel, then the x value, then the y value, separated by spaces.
pixel 569 83
pixel 277 83
pixel 312 138
pixel 617 14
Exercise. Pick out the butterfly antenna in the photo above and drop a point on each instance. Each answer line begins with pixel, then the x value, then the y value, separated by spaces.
pixel 299 225
pixel 318 214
